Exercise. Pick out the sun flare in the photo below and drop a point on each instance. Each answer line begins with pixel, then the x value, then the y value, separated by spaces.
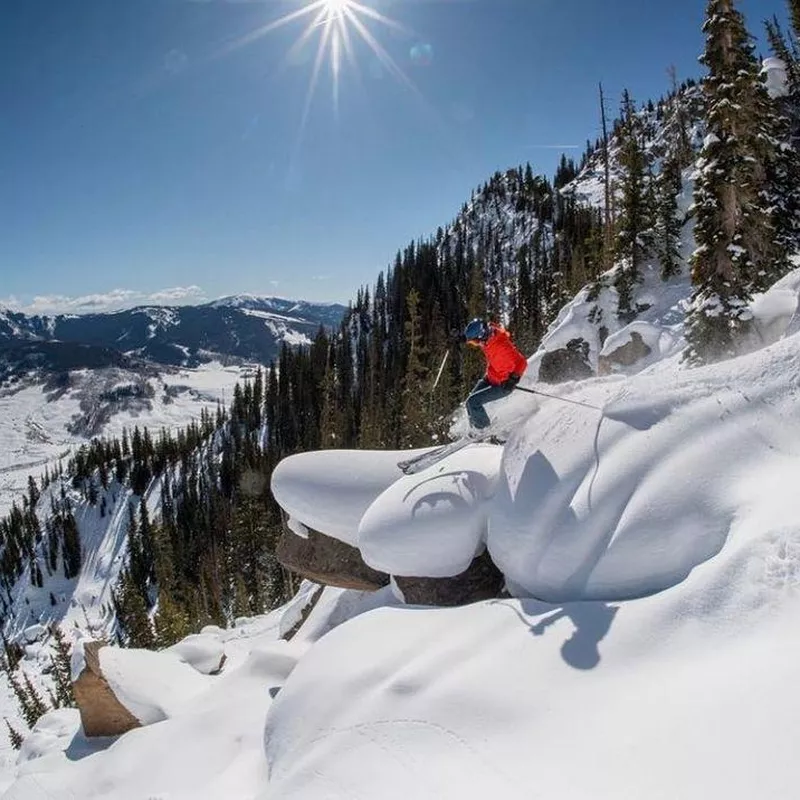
pixel 336 24
pixel 336 7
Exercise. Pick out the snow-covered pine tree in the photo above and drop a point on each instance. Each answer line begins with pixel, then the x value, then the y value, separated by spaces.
pixel 668 223
pixel 676 153
pixel 738 249
pixel 784 173
pixel 634 229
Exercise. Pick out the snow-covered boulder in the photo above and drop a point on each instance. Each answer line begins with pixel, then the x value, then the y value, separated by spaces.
pixel 34 633
pixel 203 651
pixel 595 505
pixel 330 490
pixel 634 347
pixel 52 731
pixel 120 689
pixel 568 363
pixel 433 524
pixel 152 686
pixel 329 561
pixel 102 713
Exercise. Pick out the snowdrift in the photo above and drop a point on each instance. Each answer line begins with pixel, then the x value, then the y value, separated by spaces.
pixel 601 506
pixel 651 699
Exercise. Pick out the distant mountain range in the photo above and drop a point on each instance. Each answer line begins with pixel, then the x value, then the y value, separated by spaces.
pixel 241 327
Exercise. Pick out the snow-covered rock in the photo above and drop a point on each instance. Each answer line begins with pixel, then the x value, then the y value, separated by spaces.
pixel 329 561
pixel 433 524
pixel 330 491
pixel 34 633
pixel 635 347
pixel 597 505
pixel 203 651
pixel 51 734
pixel 119 689
pixel 101 711
pixel 152 686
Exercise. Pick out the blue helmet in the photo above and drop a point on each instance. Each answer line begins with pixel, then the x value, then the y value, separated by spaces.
pixel 477 330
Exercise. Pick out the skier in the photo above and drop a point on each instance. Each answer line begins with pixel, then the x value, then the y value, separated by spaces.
pixel 505 365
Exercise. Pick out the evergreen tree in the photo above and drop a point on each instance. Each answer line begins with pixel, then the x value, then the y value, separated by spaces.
pixel 14 736
pixel 132 617
pixel 62 669
pixel 31 703
pixel 633 242
pixel 171 621
pixel 668 224
pixel 738 249
pixel 331 421
pixel 415 416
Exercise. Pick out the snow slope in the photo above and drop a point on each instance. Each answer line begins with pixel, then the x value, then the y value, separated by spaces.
pixel 660 698
pixel 664 535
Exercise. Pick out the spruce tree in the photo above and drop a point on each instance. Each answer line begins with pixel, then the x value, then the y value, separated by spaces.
pixel 62 669
pixel 30 701
pixel 415 430
pixel 668 223
pixel 14 736
pixel 738 250
pixel 633 241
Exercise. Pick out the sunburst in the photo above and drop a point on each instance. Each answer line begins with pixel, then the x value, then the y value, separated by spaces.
pixel 336 23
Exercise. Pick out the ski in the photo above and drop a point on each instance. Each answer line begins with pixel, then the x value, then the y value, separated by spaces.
pixel 419 463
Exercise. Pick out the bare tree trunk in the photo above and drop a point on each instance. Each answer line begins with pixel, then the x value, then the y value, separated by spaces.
pixel 609 212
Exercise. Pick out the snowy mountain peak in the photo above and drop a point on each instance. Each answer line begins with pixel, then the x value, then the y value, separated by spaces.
pixel 243 327
pixel 280 305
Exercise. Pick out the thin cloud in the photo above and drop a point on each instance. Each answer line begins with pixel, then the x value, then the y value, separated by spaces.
pixel 114 300
pixel 177 294
pixel 9 302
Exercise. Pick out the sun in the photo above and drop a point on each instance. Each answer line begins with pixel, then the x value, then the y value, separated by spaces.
pixel 336 23
pixel 336 8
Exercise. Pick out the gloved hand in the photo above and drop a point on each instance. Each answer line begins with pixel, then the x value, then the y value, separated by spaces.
pixel 510 383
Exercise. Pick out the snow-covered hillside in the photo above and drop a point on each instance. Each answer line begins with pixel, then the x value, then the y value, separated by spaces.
pixel 42 421
pixel 648 647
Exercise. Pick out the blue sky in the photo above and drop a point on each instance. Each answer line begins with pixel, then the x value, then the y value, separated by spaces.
pixel 145 156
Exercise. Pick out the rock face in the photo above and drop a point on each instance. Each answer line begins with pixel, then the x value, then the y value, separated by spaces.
pixel 481 581
pixel 326 560
pixel 635 349
pixel 101 713
pixel 570 363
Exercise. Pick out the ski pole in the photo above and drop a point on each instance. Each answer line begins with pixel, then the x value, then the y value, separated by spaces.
pixel 556 397
pixel 441 369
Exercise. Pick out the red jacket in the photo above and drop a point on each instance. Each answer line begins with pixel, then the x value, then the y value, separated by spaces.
pixel 502 358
